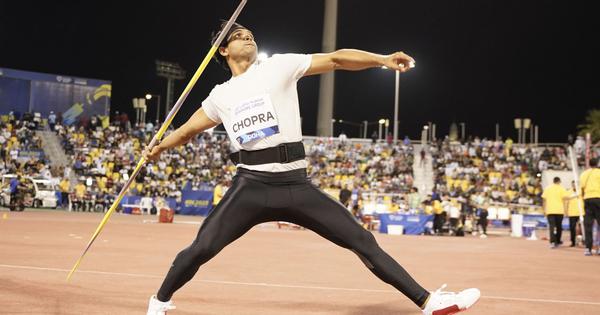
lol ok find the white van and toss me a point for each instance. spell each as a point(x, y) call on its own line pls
point(44, 192)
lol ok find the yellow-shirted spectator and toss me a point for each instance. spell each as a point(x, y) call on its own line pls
point(510, 194)
point(439, 218)
point(590, 189)
point(428, 209)
point(65, 187)
point(437, 207)
point(80, 190)
point(101, 181)
point(449, 182)
point(555, 197)
point(464, 185)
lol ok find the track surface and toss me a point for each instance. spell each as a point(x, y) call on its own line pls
point(272, 271)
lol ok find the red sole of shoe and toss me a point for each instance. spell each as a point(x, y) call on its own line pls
point(447, 311)
point(452, 310)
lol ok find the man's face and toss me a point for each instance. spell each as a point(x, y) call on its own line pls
point(240, 44)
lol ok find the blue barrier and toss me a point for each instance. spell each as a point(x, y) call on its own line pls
point(196, 202)
point(413, 224)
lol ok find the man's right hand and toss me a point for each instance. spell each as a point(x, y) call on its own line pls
point(152, 154)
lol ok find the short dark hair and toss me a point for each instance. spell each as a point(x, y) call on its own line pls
point(594, 162)
point(215, 34)
point(556, 180)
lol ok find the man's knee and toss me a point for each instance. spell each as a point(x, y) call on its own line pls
point(204, 250)
point(365, 244)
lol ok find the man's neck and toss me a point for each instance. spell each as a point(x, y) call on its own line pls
point(239, 67)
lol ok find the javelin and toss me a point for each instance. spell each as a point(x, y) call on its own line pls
point(162, 130)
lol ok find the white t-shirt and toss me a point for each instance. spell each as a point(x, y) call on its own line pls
point(260, 108)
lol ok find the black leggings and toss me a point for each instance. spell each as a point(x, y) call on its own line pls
point(483, 222)
point(573, 229)
point(555, 228)
point(257, 197)
point(592, 212)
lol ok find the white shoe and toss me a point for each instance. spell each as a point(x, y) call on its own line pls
point(156, 307)
point(446, 303)
point(483, 236)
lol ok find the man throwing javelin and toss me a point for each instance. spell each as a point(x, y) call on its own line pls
point(259, 108)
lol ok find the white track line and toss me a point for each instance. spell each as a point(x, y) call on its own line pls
point(273, 285)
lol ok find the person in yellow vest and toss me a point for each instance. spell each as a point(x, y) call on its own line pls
point(65, 186)
point(439, 217)
point(590, 189)
point(575, 205)
point(80, 190)
point(554, 197)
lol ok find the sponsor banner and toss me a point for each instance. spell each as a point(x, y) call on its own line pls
point(413, 224)
point(196, 202)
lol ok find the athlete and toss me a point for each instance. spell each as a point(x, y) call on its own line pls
point(259, 109)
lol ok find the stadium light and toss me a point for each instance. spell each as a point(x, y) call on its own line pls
point(526, 125)
point(149, 97)
point(381, 122)
point(518, 126)
point(387, 124)
point(396, 101)
point(139, 104)
point(331, 126)
point(517, 123)
point(171, 71)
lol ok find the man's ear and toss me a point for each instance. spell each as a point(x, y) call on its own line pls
point(223, 51)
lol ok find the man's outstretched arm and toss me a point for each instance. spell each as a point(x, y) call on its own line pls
point(353, 60)
point(195, 125)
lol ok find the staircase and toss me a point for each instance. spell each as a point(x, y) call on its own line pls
point(55, 153)
point(423, 172)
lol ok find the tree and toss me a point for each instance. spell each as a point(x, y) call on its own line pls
point(591, 125)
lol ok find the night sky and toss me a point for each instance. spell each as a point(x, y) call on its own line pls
point(478, 62)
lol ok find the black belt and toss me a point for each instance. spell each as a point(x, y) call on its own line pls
point(283, 153)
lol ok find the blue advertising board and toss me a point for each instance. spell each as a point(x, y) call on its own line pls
point(73, 97)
